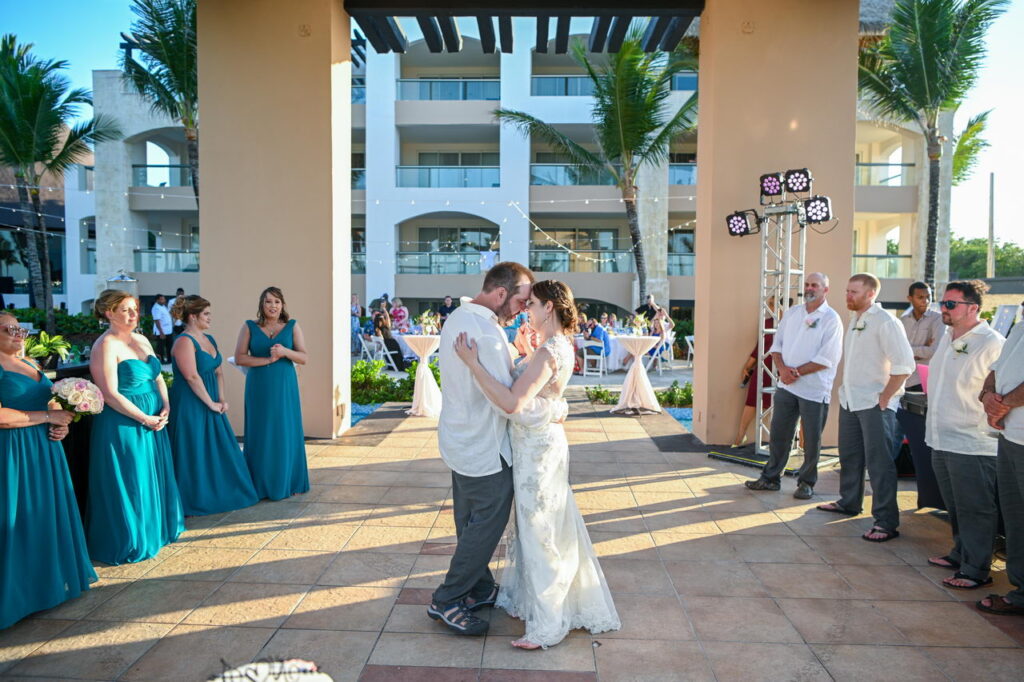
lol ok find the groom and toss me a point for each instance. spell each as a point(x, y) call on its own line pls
point(474, 443)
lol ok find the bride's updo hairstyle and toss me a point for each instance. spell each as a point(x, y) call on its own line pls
point(562, 301)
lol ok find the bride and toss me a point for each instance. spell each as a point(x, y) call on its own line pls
point(554, 581)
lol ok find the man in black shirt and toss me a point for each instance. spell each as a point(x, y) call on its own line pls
point(445, 310)
point(648, 309)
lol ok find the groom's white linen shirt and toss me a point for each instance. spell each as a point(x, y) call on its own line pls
point(799, 343)
point(1009, 369)
point(472, 432)
point(956, 420)
point(876, 348)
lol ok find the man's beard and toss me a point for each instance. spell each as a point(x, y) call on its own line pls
point(810, 296)
point(505, 313)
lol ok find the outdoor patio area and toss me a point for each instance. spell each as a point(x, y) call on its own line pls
point(711, 580)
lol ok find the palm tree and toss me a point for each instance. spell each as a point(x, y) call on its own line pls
point(926, 64)
point(165, 36)
point(631, 119)
point(37, 139)
point(968, 146)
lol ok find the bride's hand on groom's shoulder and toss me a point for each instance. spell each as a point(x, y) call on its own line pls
point(466, 349)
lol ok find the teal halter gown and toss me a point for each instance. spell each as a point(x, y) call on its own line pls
point(275, 446)
point(43, 556)
point(208, 464)
point(133, 508)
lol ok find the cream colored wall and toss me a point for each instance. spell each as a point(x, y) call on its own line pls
point(739, 142)
point(418, 71)
point(274, 81)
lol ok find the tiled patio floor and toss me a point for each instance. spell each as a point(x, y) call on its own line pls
point(711, 581)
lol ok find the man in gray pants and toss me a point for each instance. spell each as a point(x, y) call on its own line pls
point(474, 443)
point(878, 360)
point(806, 351)
point(1003, 397)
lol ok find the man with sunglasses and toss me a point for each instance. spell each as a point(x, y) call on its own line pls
point(1003, 398)
point(956, 429)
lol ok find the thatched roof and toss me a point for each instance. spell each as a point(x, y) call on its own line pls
point(875, 16)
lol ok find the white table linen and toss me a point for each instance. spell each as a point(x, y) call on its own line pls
point(426, 395)
point(637, 392)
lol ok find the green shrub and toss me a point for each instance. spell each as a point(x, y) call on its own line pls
point(601, 395)
point(676, 395)
point(168, 378)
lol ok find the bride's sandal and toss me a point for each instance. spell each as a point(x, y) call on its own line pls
point(525, 644)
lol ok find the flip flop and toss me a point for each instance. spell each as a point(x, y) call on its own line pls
point(955, 565)
point(834, 508)
point(886, 534)
point(960, 576)
point(1000, 606)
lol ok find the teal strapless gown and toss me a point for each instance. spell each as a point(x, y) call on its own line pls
point(275, 446)
point(43, 556)
point(208, 464)
point(134, 508)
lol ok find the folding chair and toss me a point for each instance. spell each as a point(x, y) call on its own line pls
point(689, 349)
point(368, 352)
point(388, 356)
point(659, 355)
point(598, 358)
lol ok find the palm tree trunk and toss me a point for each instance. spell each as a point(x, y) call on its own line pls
point(44, 260)
point(35, 272)
point(633, 220)
point(934, 154)
point(192, 144)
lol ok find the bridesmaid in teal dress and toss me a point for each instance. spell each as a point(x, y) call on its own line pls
point(133, 508)
point(274, 443)
point(208, 464)
point(43, 557)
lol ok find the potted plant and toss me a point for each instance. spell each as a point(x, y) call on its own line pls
point(47, 348)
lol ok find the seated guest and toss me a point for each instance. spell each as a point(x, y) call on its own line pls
point(613, 322)
point(134, 507)
point(963, 452)
point(1003, 398)
point(595, 331)
point(603, 320)
point(208, 464)
point(399, 316)
point(43, 556)
point(649, 308)
point(382, 329)
point(275, 445)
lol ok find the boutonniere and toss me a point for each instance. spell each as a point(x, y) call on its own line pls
point(960, 346)
point(811, 322)
point(860, 325)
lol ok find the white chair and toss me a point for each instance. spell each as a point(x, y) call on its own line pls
point(590, 356)
point(388, 356)
point(689, 349)
point(663, 349)
point(368, 351)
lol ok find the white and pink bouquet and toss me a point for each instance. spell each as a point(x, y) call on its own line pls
point(78, 396)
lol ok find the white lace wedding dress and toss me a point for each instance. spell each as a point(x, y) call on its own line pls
point(553, 580)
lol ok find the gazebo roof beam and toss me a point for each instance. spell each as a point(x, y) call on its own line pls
point(505, 33)
point(370, 30)
point(542, 34)
point(656, 28)
point(450, 33)
point(431, 33)
point(486, 26)
point(562, 35)
point(599, 33)
point(675, 32)
point(620, 25)
point(392, 32)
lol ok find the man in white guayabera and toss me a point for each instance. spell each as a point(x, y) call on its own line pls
point(474, 443)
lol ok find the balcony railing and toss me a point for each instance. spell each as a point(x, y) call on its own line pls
point(561, 86)
point(358, 263)
point(166, 260)
point(148, 175)
point(358, 178)
point(887, 174)
point(682, 174)
point(449, 176)
point(685, 81)
point(564, 174)
point(681, 264)
point(358, 94)
point(886, 266)
point(449, 89)
point(557, 260)
point(432, 263)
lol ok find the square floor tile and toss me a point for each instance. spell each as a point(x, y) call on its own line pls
point(248, 604)
point(643, 659)
point(636, 575)
point(343, 608)
point(847, 621)
point(292, 566)
point(338, 654)
point(852, 551)
point(22, 638)
point(626, 545)
point(79, 607)
point(201, 563)
point(891, 582)
point(773, 549)
point(190, 652)
point(942, 624)
point(740, 619)
point(384, 539)
point(851, 663)
point(155, 601)
point(977, 664)
point(368, 569)
point(674, 546)
point(803, 581)
point(714, 579)
point(439, 650)
point(764, 662)
point(575, 652)
point(650, 616)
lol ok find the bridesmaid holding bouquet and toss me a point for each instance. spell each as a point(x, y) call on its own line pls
point(275, 450)
point(208, 464)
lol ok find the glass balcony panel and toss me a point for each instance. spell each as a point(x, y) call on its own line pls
point(561, 86)
point(358, 94)
point(358, 263)
point(887, 174)
point(685, 81)
point(681, 264)
point(883, 266)
point(429, 263)
point(449, 176)
point(564, 174)
point(166, 260)
point(682, 174)
point(358, 178)
point(557, 260)
point(449, 89)
point(161, 175)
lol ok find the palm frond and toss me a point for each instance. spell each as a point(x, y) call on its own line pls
point(79, 141)
point(684, 121)
point(532, 127)
point(968, 146)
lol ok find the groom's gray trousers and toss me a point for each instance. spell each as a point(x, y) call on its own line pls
point(482, 505)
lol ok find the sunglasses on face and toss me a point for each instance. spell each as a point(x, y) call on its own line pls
point(15, 331)
point(951, 305)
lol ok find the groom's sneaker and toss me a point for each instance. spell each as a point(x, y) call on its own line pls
point(489, 600)
point(458, 618)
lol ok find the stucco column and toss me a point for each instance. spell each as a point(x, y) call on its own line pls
point(516, 73)
point(778, 90)
point(652, 209)
point(275, 198)
point(382, 156)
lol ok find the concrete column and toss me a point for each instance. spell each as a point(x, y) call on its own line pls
point(275, 147)
point(778, 90)
point(652, 208)
point(515, 149)
point(382, 156)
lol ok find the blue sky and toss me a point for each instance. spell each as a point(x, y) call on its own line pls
point(87, 32)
